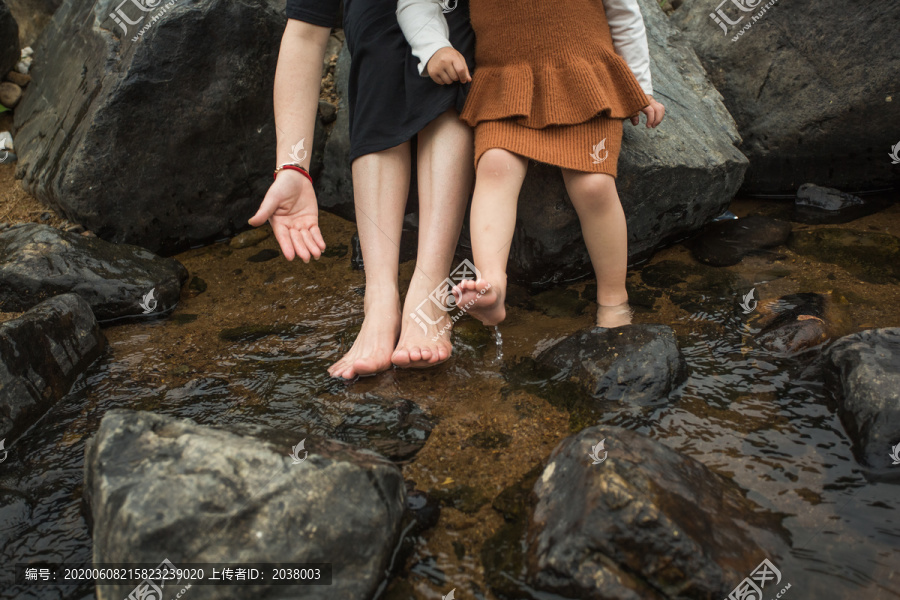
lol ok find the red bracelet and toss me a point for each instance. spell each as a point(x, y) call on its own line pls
point(293, 167)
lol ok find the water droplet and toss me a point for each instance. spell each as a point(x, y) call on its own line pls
point(499, 339)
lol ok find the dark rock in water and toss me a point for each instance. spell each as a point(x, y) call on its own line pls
point(39, 261)
point(560, 303)
point(197, 286)
point(725, 243)
point(161, 487)
point(820, 205)
point(464, 498)
point(634, 364)
point(870, 256)
point(671, 179)
point(41, 354)
point(335, 251)
point(264, 255)
point(110, 104)
point(815, 130)
point(799, 324)
point(863, 376)
point(645, 523)
point(252, 333)
point(489, 440)
point(9, 40)
point(249, 238)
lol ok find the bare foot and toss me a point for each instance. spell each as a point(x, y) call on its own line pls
point(425, 336)
point(371, 351)
point(614, 316)
point(481, 300)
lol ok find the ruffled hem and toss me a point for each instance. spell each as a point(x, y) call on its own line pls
point(554, 94)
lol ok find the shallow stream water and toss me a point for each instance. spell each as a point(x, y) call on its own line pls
point(260, 336)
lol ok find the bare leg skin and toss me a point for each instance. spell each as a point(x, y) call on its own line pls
point(605, 233)
point(445, 180)
point(498, 182)
point(380, 189)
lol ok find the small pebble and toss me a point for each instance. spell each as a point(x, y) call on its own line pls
point(24, 65)
point(26, 52)
point(18, 78)
point(10, 94)
point(88, 234)
point(45, 216)
point(75, 228)
point(249, 238)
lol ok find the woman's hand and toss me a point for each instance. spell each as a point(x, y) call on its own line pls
point(290, 206)
point(448, 65)
point(655, 112)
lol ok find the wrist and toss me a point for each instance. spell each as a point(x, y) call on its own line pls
point(296, 167)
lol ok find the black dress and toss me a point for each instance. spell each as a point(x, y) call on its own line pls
point(389, 101)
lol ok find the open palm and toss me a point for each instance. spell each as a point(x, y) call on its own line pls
point(290, 206)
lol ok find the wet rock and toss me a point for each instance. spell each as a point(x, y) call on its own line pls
point(647, 522)
point(252, 333)
point(327, 111)
point(249, 238)
point(394, 427)
point(106, 104)
point(159, 486)
point(798, 325)
point(18, 78)
point(41, 262)
point(9, 39)
point(464, 498)
point(820, 205)
point(264, 255)
point(10, 94)
point(863, 377)
point(725, 243)
point(811, 131)
point(634, 364)
point(197, 286)
point(671, 179)
point(489, 440)
point(41, 354)
point(870, 256)
point(560, 303)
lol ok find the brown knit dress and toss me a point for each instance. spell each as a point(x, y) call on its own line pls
point(548, 84)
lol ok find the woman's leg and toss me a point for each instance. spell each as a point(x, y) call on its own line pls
point(605, 233)
point(445, 181)
point(498, 182)
point(380, 190)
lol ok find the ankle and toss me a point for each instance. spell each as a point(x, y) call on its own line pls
point(612, 298)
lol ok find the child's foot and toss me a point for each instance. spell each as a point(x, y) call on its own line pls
point(481, 300)
point(614, 316)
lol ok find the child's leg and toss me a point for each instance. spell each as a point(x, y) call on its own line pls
point(606, 236)
point(498, 181)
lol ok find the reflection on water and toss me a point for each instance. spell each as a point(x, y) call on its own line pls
point(254, 348)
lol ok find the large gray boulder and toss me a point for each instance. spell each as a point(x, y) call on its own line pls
point(159, 488)
point(863, 377)
point(41, 354)
point(671, 180)
point(629, 519)
point(804, 83)
point(117, 280)
point(9, 40)
point(164, 138)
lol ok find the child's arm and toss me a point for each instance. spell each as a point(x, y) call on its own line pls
point(630, 38)
point(425, 28)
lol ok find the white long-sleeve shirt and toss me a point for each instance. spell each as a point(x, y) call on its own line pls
point(425, 27)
